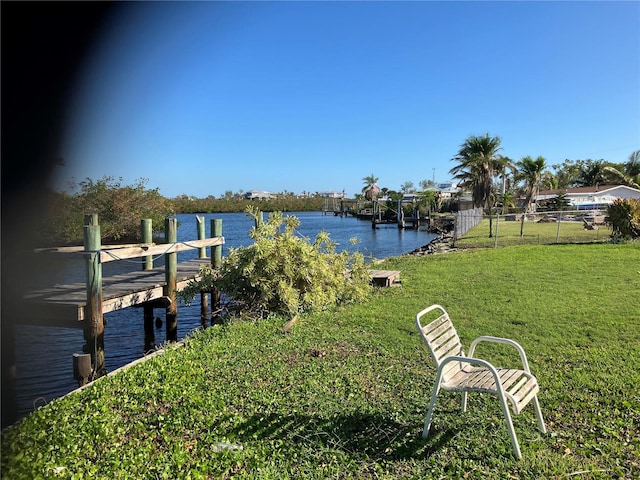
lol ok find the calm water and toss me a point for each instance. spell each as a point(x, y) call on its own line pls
point(44, 355)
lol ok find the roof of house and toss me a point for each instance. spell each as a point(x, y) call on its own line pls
point(599, 189)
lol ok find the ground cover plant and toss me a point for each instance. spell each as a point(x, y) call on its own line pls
point(344, 394)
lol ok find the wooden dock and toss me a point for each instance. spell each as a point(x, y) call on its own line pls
point(83, 304)
point(65, 305)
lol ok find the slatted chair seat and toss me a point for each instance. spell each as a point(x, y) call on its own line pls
point(459, 373)
point(519, 386)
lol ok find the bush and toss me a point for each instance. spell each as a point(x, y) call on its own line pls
point(284, 273)
point(624, 217)
point(120, 210)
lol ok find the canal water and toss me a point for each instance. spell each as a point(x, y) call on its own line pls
point(44, 354)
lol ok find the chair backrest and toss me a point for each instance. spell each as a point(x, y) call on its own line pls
point(441, 338)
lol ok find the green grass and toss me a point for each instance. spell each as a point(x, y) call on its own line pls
point(344, 394)
point(533, 233)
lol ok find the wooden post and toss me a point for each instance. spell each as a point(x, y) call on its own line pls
point(202, 253)
point(94, 331)
point(259, 220)
point(171, 279)
point(373, 214)
point(216, 231)
point(149, 333)
point(146, 235)
point(216, 259)
point(81, 368)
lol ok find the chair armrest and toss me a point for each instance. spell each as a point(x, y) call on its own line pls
point(471, 360)
point(507, 341)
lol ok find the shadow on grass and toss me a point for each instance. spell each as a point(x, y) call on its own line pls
point(374, 435)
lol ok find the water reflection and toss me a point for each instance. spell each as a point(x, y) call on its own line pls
point(44, 354)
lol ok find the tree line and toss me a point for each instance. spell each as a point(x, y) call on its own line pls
point(495, 179)
point(492, 179)
point(121, 207)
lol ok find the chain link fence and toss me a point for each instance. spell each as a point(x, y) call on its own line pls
point(473, 228)
point(465, 221)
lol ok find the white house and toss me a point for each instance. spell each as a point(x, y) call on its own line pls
point(332, 194)
point(589, 198)
point(258, 195)
point(447, 190)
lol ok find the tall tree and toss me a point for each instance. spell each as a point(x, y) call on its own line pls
point(549, 181)
point(618, 176)
point(370, 189)
point(426, 184)
point(478, 163)
point(628, 173)
point(592, 173)
point(530, 172)
point(567, 173)
point(407, 187)
point(632, 167)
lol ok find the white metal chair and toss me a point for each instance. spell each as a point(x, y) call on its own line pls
point(459, 373)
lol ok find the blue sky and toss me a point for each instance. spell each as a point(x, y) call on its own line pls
point(206, 97)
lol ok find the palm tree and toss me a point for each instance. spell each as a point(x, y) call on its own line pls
point(632, 167)
point(616, 176)
point(370, 189)
point(530, 171)
point(507, 199)
point(478, 163)
point(630, 175)
point(549, 181)
point(596, 172)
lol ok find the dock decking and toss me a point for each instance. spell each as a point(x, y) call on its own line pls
point(64, 305)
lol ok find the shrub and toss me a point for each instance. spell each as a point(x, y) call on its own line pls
point(119, 207)
point(284, 273)
point(624, 217)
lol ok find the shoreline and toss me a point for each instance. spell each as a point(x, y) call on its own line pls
point(440, 244)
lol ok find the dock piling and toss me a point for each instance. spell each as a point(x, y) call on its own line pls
point(94, 332)
point(202, 253)
point(81, 368)
point(171, 277)
point(146, 236)
point(216, 261)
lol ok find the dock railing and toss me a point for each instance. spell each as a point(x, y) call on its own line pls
point(66, 305)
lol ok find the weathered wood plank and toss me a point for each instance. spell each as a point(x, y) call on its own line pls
point(64, 305)
point(384, 278)
point(111, 255)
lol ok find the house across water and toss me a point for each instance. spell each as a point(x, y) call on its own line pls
point(591, 198)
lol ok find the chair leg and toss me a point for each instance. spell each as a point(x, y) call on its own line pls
point(541, 424)
point(432, 403)
point(464, 401)
point(512, 432)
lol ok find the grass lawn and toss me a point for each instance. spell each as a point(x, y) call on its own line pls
point(345, 393)
point(533, 233)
